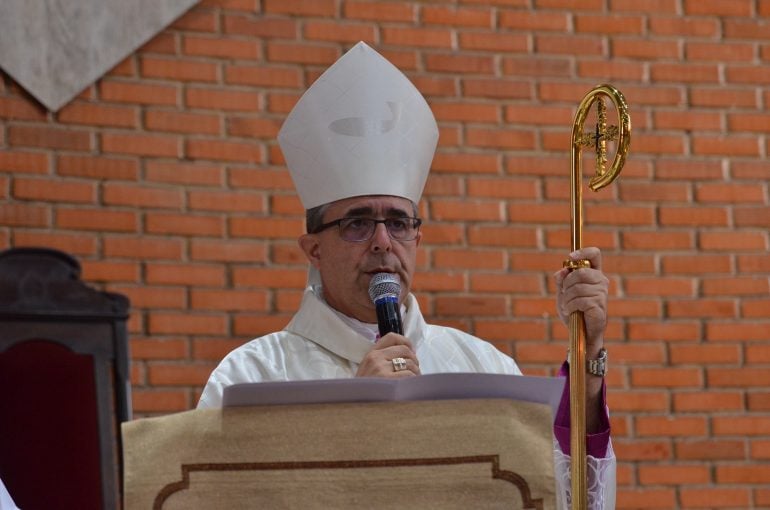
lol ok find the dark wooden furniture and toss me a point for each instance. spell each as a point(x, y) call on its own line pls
point(64, 383)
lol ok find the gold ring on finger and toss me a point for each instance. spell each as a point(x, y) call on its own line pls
point(399, 364)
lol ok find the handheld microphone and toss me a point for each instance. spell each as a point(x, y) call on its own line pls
point(384, 290)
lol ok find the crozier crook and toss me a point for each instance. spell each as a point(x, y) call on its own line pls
point(598, 139)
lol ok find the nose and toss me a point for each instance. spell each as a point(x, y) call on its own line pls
point(381, 239)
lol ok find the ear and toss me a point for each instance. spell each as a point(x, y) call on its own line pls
point(419, 238)
point(311, 247)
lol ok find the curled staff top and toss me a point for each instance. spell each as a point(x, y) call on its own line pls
point(603, 133)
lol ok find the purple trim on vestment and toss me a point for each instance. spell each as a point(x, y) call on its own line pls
point(596, 444)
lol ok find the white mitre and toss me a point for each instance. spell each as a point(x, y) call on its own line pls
point(361, 129)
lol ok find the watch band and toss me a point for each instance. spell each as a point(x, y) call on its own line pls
point(598, 366)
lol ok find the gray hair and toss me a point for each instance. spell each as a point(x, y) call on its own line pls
point(314, 218)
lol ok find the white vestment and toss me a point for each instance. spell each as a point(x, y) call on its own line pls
point(319, 343)
point(6, 503)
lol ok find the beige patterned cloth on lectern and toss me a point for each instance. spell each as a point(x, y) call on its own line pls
point(448, 454)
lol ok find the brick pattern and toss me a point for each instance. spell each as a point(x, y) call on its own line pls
point(165, 179)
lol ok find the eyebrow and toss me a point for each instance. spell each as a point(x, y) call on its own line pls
point(392, 212)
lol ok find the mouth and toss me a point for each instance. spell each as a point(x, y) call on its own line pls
point(372, 272)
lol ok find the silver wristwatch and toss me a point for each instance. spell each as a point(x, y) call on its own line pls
point(598, 366)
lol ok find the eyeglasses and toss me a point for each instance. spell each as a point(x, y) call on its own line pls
point(357, 230)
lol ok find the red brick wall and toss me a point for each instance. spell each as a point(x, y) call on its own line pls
point(165, 180)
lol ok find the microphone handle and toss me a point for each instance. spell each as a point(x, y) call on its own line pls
point(389, 316)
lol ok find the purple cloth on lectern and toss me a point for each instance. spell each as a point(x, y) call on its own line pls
point(596, 444)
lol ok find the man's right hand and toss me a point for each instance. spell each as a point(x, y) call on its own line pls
point(378, 362)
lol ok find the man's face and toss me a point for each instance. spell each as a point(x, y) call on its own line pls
point(347, 267)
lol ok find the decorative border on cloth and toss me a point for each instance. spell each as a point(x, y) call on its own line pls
point(493, 460)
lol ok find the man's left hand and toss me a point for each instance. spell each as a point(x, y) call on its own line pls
point(585, 290)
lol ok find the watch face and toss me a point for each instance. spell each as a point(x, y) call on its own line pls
point(598, 366)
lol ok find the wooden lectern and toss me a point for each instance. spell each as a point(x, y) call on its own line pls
point(443, 454)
